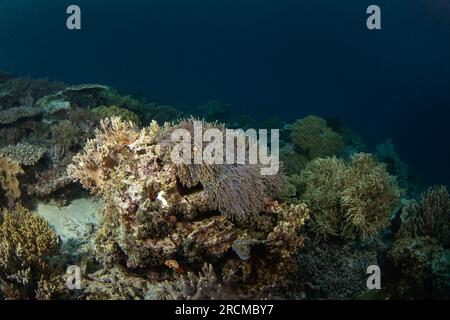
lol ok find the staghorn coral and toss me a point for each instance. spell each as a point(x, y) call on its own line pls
point(349, 199)
point(157, 214)
point(312, 135)
point(8, 177)
point(26, 243)
point(23, 153)
point(115, 111)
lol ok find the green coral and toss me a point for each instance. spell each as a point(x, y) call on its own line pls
point(349, 199)
point(115, 111)
point(313, 137)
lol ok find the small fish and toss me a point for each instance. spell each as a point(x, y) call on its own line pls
point(174, 265)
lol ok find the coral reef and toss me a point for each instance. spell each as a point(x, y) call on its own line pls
point(349, 199)
point(132, 171)
point(315, 138)
point(158, 229)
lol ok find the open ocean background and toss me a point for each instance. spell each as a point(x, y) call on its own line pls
point(288, 58)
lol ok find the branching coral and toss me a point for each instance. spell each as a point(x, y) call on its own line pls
point(349, 199)
point(315, 138)
point(26, 242)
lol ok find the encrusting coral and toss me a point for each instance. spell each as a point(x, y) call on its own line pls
point(157, 214)
point(349, 199)
point(312, 135)
point(26, 243)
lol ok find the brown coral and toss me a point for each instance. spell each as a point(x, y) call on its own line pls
point(26, 242)
point(8, 177)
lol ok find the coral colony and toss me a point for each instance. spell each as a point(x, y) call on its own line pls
point(190, 209)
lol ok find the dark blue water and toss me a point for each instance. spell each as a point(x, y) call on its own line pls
point(282, 57)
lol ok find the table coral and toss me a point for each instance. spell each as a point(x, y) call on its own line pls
point(23, 153)
point(12, 115)
point(349, 199)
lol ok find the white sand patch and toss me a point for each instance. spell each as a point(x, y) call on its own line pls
point(77, 221)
